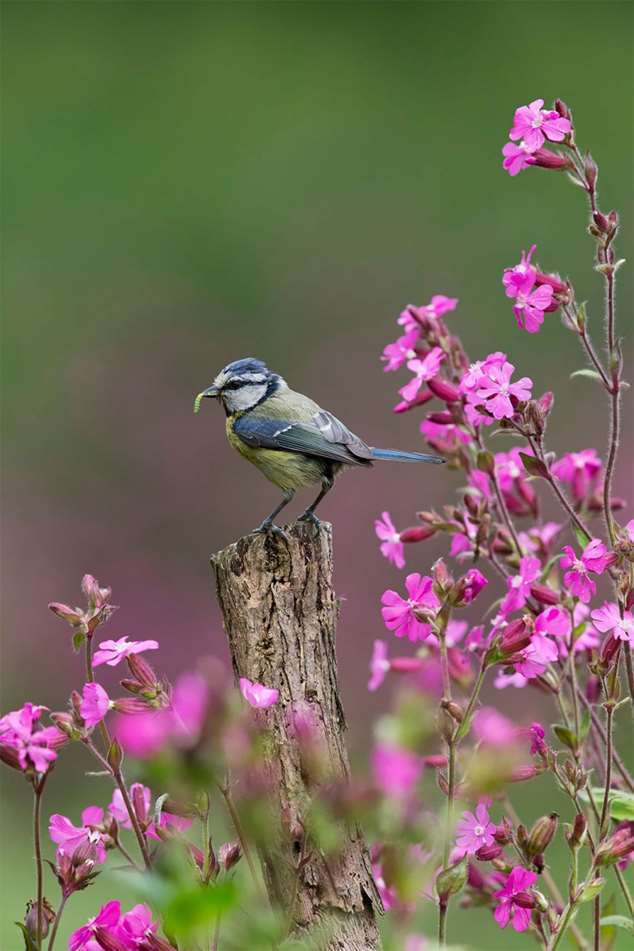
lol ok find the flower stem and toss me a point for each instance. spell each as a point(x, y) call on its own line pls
point(38, 789)
point(58, 917)
point(244, 844)
point(117, 775)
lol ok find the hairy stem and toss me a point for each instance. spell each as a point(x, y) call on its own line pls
point(38, 789)
point(58, 917)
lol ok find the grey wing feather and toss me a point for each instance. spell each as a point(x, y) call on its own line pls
point(267, 433)
point(334, 431)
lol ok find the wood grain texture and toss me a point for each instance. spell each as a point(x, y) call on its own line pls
point(280, 614)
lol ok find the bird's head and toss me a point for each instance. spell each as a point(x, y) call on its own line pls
point(241, 385)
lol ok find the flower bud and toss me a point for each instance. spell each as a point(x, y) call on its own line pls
point(515, 637)
point(443, 579)
point(503, 832)
point(230, 854)
point(563, 110)
point(489, 852)
point(72, 616)
point(406, 665)
point(444, 417)
point(468, 587)
point(544, 594)
point(129, 705)
point(451, 880)
point(418, 533)
point(577, 832)
point(107, 940)
point(444, 390)
point(521, 773)
point(453, 709)
point(620, 844)
point(593, 688)
point(524, 900)
point(141, 670)
point(421, 399)
point(436, 761)
point(541, 834)
point(47, 917)
point(544, 158)
point(609, 650)
point(591, 170)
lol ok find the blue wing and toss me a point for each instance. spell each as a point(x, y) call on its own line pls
point(311, 440)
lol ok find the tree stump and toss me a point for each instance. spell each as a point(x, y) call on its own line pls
point(280, 614)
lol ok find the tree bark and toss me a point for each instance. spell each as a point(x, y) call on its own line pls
point(280, 614)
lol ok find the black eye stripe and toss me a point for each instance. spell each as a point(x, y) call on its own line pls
point(233, 385)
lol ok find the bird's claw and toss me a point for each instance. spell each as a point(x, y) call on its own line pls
point(309, 517)
point(270, 528)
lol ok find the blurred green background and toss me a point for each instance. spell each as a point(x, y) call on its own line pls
point(187, 183)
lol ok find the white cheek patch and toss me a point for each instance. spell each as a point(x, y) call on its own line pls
point(246, 397)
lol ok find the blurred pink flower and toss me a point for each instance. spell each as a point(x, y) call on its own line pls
point(535, 125)
point(22, 745)
point(397, 353)
point(379, 665)
point(257, 695)
point(70, 837)
point(113, 652)
point(474, 830)
point(83, 938)
point(423, 370)
point(495, 390)
point(519, 586)
point(579, 470)
point(446, 437)
point(392, 547)
point(141, 797)
point(608, 618)
point(493, 728)
point(94, 705)
point(396, 770)
point(398, 613)
point(514, 903)
point(595, 559)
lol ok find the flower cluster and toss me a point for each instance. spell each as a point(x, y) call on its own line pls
point(533, 127)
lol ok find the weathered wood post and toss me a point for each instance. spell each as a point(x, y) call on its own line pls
point(280, 614)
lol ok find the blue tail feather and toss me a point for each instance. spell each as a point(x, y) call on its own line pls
point(397, 456)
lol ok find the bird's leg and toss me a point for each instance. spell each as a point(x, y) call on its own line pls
point(268, 525)
point(309, 514)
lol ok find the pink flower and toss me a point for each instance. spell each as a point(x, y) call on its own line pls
point(94, 705)
point(536, 657)
point(257, 695)
point(495, 389)
point(141, 797)
point(135, 926)
point(70, 837)
point(437, 307)
point(608, 618)
point(493, 728)
point(629, 530)
point(519, 586)
point(398, 613)
point(445, 437)
point(144, 734)
point(423, 370)
point(402, 350)
point(579, 470)
point(594, 559)
point(469, 587)
point(530, 305)
point(392, 547)
point(22, 745)
point(516, 158)
point(107, 918)
point(503, 680)
point(379, 665)
point(514, 902)
point(396, 770)
point(515, 277)
point(554, 621)
point(113, 652)
point(537, 734)
point(474, 830)
point(534, 125)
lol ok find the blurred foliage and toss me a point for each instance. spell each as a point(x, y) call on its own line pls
point(187, 182)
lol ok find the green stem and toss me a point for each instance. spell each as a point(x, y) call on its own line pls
point(58, 917)
point(463, 728)
point(38, 789)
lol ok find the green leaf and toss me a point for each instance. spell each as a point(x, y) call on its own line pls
point(582, 537)
point(193, 908)
point(29, 944)
point(588, 374)
point(534, 466)
point(618, 921)
point(78, 640)
point(584, 725)
point(591, 890)
point(621, 802)
point(567, 737)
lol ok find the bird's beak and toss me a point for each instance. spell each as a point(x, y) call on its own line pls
point(212, 391)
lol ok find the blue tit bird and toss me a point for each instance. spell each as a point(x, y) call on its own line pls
point(293, 441)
